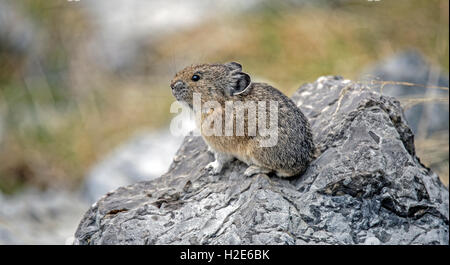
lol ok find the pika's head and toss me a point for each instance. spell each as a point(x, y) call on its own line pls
point(213, 81)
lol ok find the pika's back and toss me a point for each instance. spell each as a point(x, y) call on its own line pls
point(294, 148)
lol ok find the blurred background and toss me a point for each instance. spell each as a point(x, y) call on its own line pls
point(85, 97)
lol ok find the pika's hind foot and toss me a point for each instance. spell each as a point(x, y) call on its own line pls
point(253, 170)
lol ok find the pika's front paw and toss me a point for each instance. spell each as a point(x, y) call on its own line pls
point(253, 170)
point(215, 167)
point(210, 150)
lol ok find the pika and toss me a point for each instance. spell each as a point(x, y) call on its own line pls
point(227, 83)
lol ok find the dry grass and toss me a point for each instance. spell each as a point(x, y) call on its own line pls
point(433, 152)
point(295, 46)
point(60, 155)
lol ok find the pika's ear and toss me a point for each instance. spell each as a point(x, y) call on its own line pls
point(240, 82)
point(234, 66)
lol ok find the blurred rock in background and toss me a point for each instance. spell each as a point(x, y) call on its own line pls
point(144, 157)
point(123, 35)
point(426, 107)
point(35, 217)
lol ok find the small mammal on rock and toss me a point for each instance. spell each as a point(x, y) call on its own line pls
point(224, 83)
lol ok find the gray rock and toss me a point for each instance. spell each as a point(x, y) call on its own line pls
point(411, 67)
point(144, 157)
point(365, 187)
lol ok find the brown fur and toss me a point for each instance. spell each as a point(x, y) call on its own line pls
point(226, 82)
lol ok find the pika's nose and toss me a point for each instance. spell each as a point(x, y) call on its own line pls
point(177, 85)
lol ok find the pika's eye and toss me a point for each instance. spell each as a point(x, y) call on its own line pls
point(195, 78)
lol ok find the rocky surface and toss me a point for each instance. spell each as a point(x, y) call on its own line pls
point(365, 187)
